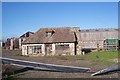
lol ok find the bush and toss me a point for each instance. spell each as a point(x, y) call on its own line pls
point(18, 54)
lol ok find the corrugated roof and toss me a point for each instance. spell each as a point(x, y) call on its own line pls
point(100, 30)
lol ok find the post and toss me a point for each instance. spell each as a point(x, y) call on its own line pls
point(43, 49)
point(53, 49)
point(98, 47)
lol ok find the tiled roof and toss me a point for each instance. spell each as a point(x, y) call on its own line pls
point(58, 35)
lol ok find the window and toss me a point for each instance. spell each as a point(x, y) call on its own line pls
point(34, 49)
point(106, 30)
point(49, 33)
point(37, 49)
point(96, 30)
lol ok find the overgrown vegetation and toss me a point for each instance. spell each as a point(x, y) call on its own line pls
point(7, 74)
point(18, 54)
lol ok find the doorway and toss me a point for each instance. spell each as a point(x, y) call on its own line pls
point(48, 49)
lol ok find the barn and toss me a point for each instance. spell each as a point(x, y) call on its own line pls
point(98, 38)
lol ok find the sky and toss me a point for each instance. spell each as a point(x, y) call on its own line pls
point(21, 17)
point(60, 0)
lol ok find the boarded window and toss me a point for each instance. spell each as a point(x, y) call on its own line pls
point(62, 49)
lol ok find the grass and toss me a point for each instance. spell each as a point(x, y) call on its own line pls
point(6, 75)
point(18, 54)
point(101, 57)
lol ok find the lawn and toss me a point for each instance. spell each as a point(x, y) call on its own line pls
point(101, 57)
point(98, 57)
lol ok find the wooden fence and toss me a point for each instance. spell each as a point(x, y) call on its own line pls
point(99, 45)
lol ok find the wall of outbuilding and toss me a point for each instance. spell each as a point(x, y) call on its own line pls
point(90, 38)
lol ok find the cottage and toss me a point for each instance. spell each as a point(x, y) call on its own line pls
point(53, 41)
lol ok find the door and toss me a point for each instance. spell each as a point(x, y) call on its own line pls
point(48, 49)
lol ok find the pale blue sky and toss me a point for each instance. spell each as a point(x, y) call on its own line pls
point(20, 17)
point(60, 0)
